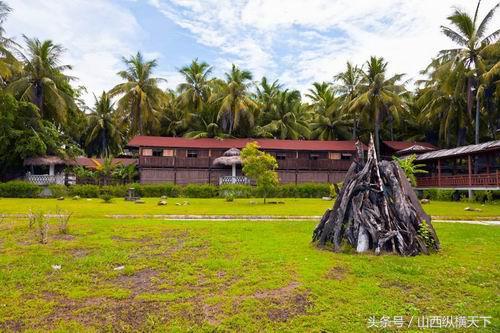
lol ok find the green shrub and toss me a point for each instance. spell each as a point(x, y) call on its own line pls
point(157, 190)
point(445, 195)
point(483, 196)
point(106, 197)
point(237, 191)
point(19, 189)
point(85, 191)
point(58, 191)
point(200, 191)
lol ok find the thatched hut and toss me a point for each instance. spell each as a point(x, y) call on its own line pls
point(231, 158)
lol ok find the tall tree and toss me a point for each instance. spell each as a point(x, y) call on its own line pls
point(287, 119)
point(379, 96)
point(347, 83)
point(103, 135)
point(43, 81)
point(470, 35)
point(234, 100)
point(141, 99)
point(195, 91)
point(9, 65)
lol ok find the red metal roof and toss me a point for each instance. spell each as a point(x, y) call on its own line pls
point(270, 144)
point(400, 145)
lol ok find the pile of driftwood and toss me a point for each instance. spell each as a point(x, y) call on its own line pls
point(377, 209)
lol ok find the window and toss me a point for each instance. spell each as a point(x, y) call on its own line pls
point(280, 156)
point(157, 152)
point(192, 153)
point(313, 156)
point(334, 156)
point(346, 156)
point(168, 152)
point(147, 152)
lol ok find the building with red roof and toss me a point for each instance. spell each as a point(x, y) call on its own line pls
point(185, 160)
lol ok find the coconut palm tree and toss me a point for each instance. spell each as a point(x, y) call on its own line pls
point(322, 98)
point(173, 117)
point(234, 100)
point(103, 134)
point(378, 96)
point(8, 62)
point(470, 35)
point(195, 91)
point(287, 119)
point(347, 83)
point(43, 81)
point(141, 99)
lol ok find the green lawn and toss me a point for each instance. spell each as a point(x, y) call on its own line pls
point(293, 207)
point(233, 275)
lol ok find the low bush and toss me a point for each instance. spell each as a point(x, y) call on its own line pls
point(483, 196)
point(157, 190)
point(19, 189)
point(58, 191)
point(237, 191)
point(200, 191)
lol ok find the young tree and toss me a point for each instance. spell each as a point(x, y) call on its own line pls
point(410, 168)
point(261, 167)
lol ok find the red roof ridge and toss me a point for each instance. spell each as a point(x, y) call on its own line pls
point(211, 143)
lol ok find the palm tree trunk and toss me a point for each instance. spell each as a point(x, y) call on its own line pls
point(469, 96)
point(377, 132)
point(139, 116)
point(477, 118)
point(39, 98)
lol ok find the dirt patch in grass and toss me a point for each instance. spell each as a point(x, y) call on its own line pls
point(395, 284)
point(284, 309)
point(336, 273)
point(284, 303)
point(79, 253)
point(99, 312)
point(65, 237)
point(124, 239)
point(140, 282)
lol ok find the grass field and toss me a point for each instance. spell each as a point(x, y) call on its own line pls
point(291, 207)
point(234, 275)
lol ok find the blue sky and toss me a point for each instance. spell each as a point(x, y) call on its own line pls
point(295, 41)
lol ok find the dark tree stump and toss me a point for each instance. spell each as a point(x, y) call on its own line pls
point(377, 210)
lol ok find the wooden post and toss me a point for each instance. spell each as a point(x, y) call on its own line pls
point(469, 167)
point(439, 172)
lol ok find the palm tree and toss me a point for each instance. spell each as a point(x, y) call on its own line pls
point(196, 90)
point(287, 119)
point(379, 96)
point(104, 137)
point(43, 82)
point(141, 99)
point(322, 98)
point(8, 62)
point(347, 86)
point(442, 102)
point(470, 34)
point(173, 117)
point(235, 103)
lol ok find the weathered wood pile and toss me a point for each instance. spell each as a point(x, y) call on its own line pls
point(377, 209)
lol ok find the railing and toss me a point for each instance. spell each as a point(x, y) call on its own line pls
point(321, 164)
point(206, 162)
point(457, 181)
point(240, 180)
point(45, 179)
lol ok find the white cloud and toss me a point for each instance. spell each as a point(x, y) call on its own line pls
point(319, 36)
point(96, 34)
